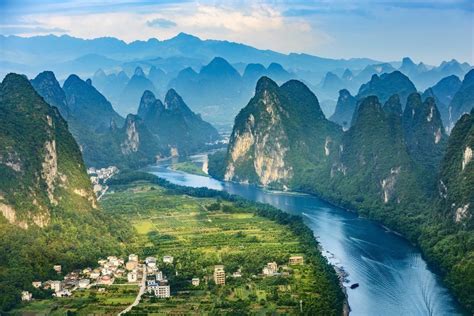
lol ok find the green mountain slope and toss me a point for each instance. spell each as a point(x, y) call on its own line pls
point(48, 210)
point(281, 135)
point(385, 166)
point(175, 125)
point(40, 171)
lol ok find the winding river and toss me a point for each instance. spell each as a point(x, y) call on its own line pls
point(394, 279)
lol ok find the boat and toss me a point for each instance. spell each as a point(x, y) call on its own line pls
point(354, 286)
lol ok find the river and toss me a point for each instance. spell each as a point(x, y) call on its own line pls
point(394, 279)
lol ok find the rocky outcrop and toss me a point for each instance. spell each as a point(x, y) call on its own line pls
point(265, 140)
point(40, 163)
point(49, 171)
point(132, 140)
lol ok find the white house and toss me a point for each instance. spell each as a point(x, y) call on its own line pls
point(160, 291)
point(84, 283)
point(56, 286)
point(151, 262)
point(26, 296)
point(270, 269)
point(36, 284)
point(132, 276)
point(168, 259)
point(133, 257)
point(195, 281)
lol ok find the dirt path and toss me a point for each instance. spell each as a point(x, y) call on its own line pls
point(139, 295)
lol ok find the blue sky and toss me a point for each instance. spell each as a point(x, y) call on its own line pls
point(429, 31)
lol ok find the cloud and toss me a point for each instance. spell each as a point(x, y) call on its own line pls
point(380, 29)
point(26, 29)
point(258, 25)
point(161, 23)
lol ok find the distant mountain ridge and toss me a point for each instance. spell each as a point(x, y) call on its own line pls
point(106, 138)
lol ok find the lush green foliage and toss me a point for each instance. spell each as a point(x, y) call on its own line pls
point(50, 184)
point(232, 231)
point(385, 166)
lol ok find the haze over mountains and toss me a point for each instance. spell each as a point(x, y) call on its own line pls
point(106, 138)
point(391, 140)
point(215, 77)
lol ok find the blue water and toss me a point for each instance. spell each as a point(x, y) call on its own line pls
point(393, 277)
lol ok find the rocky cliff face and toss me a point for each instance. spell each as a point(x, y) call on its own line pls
point(456, 182)
point(268, 135)
point(40, 163)
point(443, 92)
point(260, 138)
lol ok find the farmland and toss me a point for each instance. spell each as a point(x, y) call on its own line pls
point(199, 233)
point(202, 232)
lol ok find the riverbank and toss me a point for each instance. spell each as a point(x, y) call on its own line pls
point(201, 228)
point(386, 265)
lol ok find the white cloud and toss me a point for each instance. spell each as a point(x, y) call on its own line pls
point(255, 24)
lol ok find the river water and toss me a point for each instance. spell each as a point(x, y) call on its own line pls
point(393, 277)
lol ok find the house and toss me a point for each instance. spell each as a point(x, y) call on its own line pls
point(133, 257)
point(113, 261)
point(56, 286)
point(195, 281)
point(62, 293)
point(131, 265)
point(26, 296)
point(151, 270)
point(132, 276)
point(87, 271)
point(57, 268)
point(219, 275)
point(270, 269)
point(151, 262)
point(168, 259)
point(106, 280)
point(84, 283)
point(296, 260)
point(160, 291)
point(106, 271)
point(36, 284)
point(159, 276)
point(95, 274)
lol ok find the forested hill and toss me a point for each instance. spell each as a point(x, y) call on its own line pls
point(390, 165)
point(49, 211)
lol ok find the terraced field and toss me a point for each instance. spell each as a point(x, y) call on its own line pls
point(200, 233)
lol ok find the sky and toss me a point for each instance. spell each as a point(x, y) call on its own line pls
point(386, 30)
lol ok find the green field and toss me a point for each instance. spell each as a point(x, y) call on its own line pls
point(188, 167)
point(202, 232)
point(84, 302)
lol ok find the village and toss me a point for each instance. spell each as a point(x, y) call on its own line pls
point(145, 274)
point(99, 179)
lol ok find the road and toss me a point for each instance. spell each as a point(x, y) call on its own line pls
point(139, 295)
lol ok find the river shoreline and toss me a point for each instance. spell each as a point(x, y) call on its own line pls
point(412, 278)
